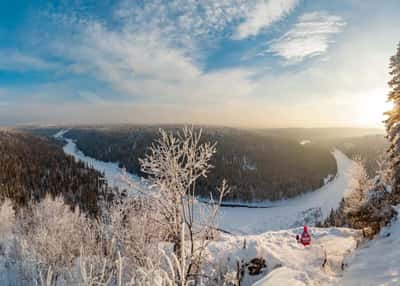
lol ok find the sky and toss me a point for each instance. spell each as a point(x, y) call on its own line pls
point(254, 63)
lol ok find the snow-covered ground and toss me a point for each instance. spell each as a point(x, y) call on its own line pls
point(377, 262)
point(288, 262)
point(284, 214)
point(270, 233)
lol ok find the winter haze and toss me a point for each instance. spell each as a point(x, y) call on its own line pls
point(275, 63)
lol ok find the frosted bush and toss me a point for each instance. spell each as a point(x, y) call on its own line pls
point(51, 235)
point(7, 220)
point(360, 185)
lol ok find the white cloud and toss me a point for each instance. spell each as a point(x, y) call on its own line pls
point(262, 15)
point(153, 50)
point(186, 23)
point(147, 63)
point(152, 73)
point(16, 61)
point(310, 36)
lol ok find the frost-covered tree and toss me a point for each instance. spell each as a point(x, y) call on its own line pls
point(359, 187)
point(392, 124)
point(135, 227)
point(7, 224)
point(7, 220)
point(174, 163)
point(367, 203)
point(51, 236)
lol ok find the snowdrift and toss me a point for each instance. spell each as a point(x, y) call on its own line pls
point(378, 261)
point(287, 261)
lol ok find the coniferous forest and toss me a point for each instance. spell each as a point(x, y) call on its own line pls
point(258, 167)
point(34, 166)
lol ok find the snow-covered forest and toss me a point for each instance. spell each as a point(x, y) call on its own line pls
point(244, 158)
point(155, 231)
point(200, 143)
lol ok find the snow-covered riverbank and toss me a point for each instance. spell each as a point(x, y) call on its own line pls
point(294, 212)
point(115, 176)
point(282, 214)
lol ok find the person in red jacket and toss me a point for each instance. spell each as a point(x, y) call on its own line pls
point(305, 238)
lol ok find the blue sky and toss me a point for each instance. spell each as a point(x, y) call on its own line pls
point(257, 63)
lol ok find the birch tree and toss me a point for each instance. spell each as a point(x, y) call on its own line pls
point(174, 163)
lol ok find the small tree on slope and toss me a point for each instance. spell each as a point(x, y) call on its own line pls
point(393, 126)
point(360, 185)
point(367, 203)
point(174, 163)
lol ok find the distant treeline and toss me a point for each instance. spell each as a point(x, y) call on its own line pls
point(32, 167)
point(257, 167)
point(317, 134)
point(370, 148)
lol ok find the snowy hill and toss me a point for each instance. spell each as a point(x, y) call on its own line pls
point(288, 262)
point(377, 262)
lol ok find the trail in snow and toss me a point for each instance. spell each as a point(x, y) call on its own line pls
point(282, 214)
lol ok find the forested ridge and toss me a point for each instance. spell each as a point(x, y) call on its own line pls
point(33, 166)
point(257, 167)
point(371, 149)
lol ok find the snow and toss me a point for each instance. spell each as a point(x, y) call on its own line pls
point(115, 176)
point(285, 276)
point(377, 262)
point(60, 134)
point(305, 142)
point(269, 233)
point(288, 262)
point(248, 165)
point(283, 214)
point(289, 213)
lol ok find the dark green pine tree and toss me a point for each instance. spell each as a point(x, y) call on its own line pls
point(393, 125)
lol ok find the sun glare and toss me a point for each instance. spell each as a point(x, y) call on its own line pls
point(373, 108)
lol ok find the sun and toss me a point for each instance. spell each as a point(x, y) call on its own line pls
point(374, 105)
